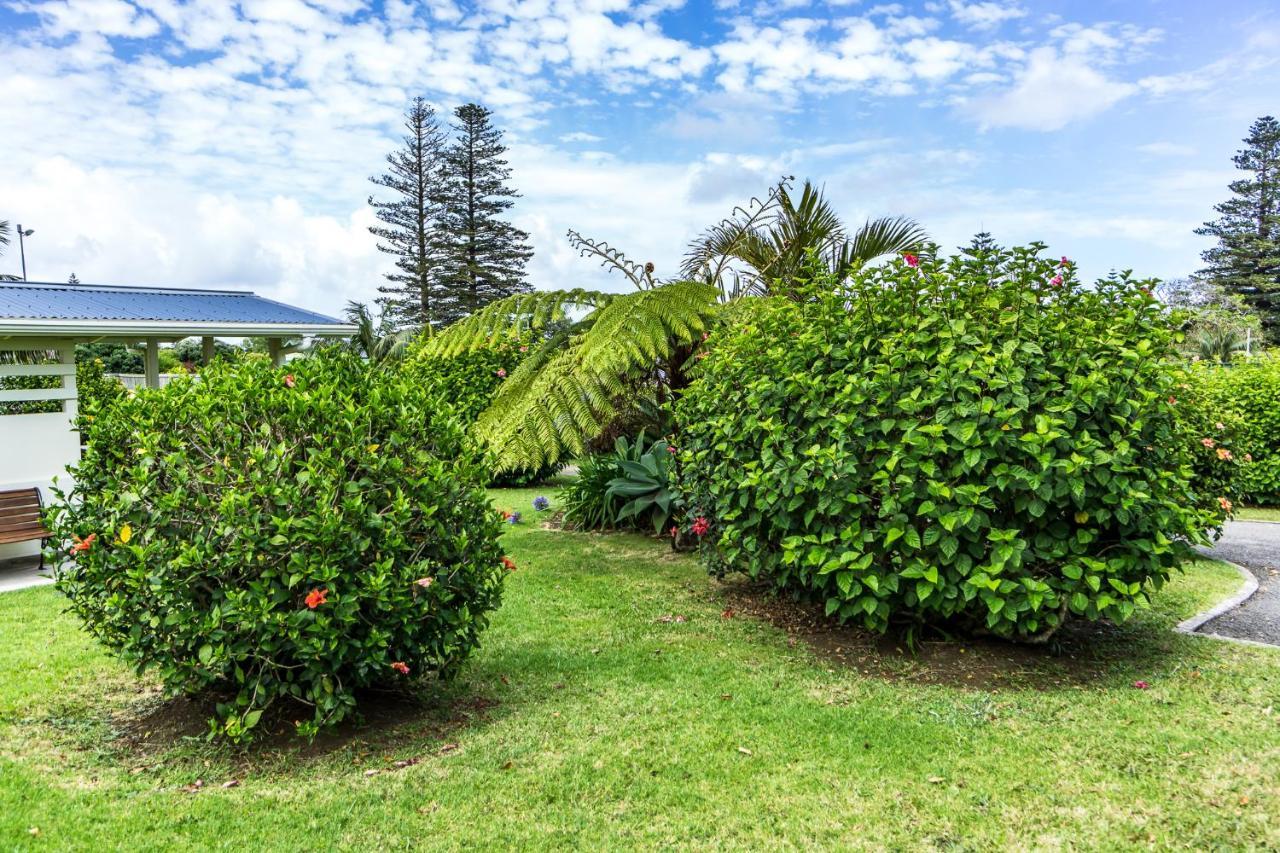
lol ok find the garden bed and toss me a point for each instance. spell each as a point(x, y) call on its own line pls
point(590, 718)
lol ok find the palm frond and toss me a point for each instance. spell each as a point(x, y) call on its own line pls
point(709, 255)
point(884, 236)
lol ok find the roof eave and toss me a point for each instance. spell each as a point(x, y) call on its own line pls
point(166, 328)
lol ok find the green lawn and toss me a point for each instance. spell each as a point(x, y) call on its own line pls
point(588, 719)
point(1258, 513)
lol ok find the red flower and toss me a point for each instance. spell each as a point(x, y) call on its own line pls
point(401, 667)
point(671, 448)
point(1056, 281)
point(317, 597)
point(84, 544)
point(289, 381)
point(912, 260)
point(505, 513)
point(675, 531)
point(1141, 685)
point(509, 564)
point(1173, 401)
point(502, 374)
point(1207, 442)
point(700, 526)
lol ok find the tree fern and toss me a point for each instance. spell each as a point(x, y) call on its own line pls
point(574, 383)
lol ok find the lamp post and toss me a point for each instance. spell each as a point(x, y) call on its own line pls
point(22, 247)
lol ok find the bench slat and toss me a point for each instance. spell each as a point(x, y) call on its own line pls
point(20, 516)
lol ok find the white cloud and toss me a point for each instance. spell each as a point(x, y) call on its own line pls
point(1052, 90)
point(984, 16)
point(580, 136)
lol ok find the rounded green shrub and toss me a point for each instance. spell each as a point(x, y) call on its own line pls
point(976, 440)
point(1246, 395)
point(260, 535)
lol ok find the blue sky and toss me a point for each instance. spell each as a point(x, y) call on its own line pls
point(228, 144)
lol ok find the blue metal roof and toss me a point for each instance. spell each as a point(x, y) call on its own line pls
point(45, 301)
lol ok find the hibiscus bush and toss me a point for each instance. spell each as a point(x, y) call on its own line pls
point(1245, 396)
point(262, 535)
point(466, 384)
point(976, 439)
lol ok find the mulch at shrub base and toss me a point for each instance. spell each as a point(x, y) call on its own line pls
point(1081, 653)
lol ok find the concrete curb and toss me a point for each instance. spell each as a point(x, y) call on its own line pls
point(1249, 587)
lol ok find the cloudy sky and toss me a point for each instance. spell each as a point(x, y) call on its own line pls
point(215, 143)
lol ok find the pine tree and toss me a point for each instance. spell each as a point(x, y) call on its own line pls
point(72, 279)
point(1246, 260)
point(409, 227)
point(484, 255)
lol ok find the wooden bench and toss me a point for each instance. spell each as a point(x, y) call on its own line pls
point(20, 518)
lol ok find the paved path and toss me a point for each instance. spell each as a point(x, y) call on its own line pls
point(20, 574)
point(1255, 545)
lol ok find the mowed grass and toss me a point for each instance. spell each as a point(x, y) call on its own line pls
point(1258, 513)
point(595, 718)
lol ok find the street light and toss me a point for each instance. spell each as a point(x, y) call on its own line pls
point(22, 247)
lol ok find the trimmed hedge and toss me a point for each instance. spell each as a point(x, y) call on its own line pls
point(261, 535)
point(973, 439)
point(1246, 395)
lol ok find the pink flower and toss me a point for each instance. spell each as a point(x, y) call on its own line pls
point(912, 260)
point(524, 349)
point(1248, 457)
point(675, 531)
point(671, 448)
point(1225, 504)
point(1141, 685)
point(502, 374)
point(1056, 281)
point(1219, 425)
point(289, 381)
point(401, 667)
point(1224, 454)
point(700, 526)
point(1065, 262)
point(425, 582)
point(1208, 442)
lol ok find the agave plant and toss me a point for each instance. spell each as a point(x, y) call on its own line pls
point(643, 486)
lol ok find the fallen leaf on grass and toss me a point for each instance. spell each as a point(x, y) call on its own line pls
point(231, 783)
point(448, 747)
point(668, 618)
point(936, 780)
point(745, 751)
point(373, 772)
point(406, 762)
point(727, 613)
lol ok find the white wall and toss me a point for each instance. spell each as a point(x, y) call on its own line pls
point(36, 448)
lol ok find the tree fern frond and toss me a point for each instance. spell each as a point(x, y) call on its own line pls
point(641, 275)
point(563, 403)
point(511, 316)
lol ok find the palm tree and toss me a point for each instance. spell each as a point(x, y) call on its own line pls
point(596, 352)
point(4, 241)
point(1219, 344)
point(763, 246)
point(375, 340)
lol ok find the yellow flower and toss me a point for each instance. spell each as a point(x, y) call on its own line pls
point(126, 533)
